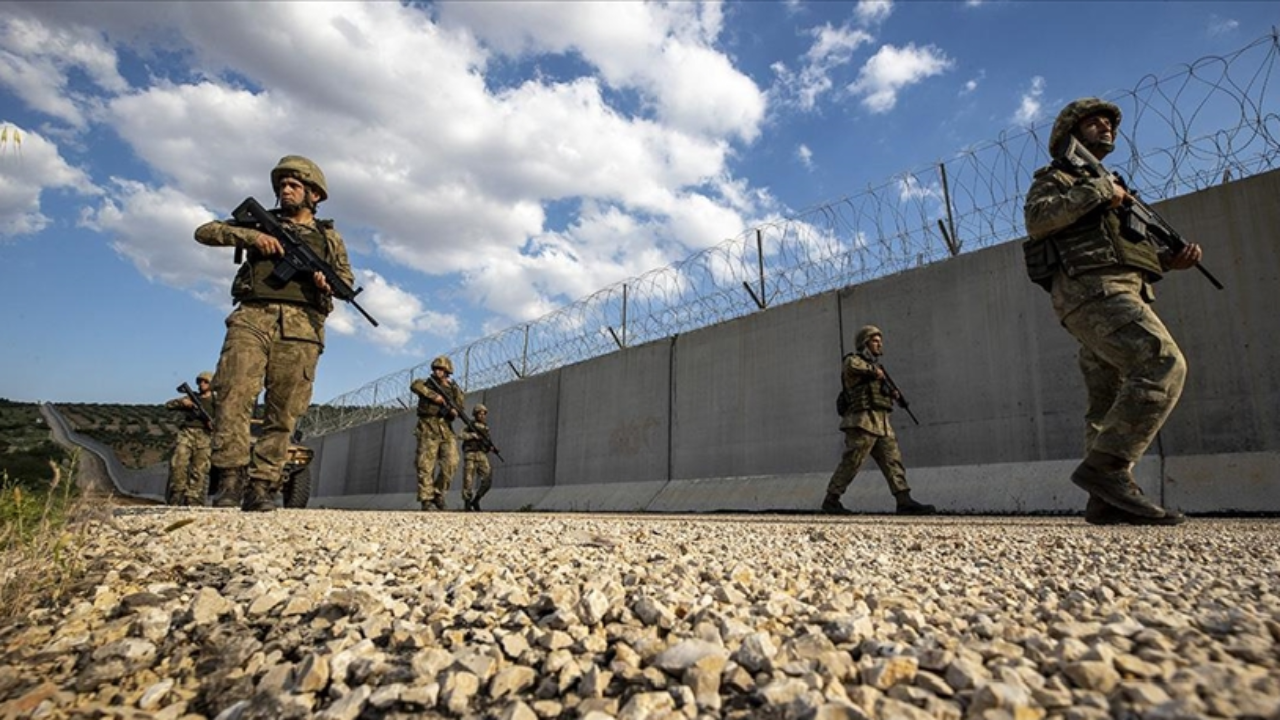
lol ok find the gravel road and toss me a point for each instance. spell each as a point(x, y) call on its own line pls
point(333, 614)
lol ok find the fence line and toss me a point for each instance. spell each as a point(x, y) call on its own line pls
point(1206, 123)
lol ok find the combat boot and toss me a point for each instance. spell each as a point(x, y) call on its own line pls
point(1098, 512)
point(908, 506)
point(427, 505)
point(831, 505)
point(231, 482)
point(1108, 478)
point(475, 503)
point(258, 497)
point(466, 503)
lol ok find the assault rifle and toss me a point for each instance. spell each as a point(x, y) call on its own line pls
point(197, 409)
point(900, 398)
point(1139, 221)
point(298, 256)
point(466, 419)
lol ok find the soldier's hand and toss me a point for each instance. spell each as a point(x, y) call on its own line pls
point(268, 245)
point(1186, 258)
point(323, 283)
point(879, 373)
point(1121, 195)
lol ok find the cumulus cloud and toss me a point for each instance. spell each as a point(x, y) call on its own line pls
point(873, 12)
point(36, 63)
point(1029, 106)
point(30, 164)
point(892, 69)
point(832, 48)
point(433, 165)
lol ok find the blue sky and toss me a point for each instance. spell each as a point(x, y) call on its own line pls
point(487, 162)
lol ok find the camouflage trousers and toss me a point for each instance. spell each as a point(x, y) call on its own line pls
point(257, 355)
point(476, 466)
point(189, 468)
point(858, 444)
point(1133, 374)
point(437, 446)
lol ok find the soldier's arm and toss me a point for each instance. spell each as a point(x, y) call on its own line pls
point(219, 234)
point(858, 366)
point(341, 263)
point(1055, 202)
point(178, 403)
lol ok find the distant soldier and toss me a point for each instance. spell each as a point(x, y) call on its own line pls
point(1100, 284)
point(869, 399)
point(476, 447)
point(274, 337)
point(189, 465)
point(437, 445)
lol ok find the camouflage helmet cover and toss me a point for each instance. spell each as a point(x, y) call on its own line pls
point(1072, 114)
point(303, 169)
point(480, 408)
point(443, 363)
point(206, 375)
point(865, 334)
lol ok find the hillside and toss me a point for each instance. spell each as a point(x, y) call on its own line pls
point(26, 446)
point(141, 435)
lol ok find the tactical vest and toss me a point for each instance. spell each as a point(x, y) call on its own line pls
point(476, 445)
point(1095, 241)
point(253, 282)
point(869, 393)
point(428, 409)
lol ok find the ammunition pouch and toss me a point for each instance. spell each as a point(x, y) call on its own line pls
point(1042, 260)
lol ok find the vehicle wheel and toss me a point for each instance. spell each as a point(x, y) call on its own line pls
point(297, 488)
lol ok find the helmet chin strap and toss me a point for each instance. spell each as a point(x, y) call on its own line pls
point(1101, 149)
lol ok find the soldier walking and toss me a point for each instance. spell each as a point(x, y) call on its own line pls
point(189, 464)
point(1100, 284)
point(869, 399)
point(274, 337)
point(477, 472)
point(437, 445)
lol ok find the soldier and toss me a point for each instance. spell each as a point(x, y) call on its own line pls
point(1100, 284)
point(475, 453)
point(274, 337)
point(437, 445)
point(865, 422)
point(189, 465)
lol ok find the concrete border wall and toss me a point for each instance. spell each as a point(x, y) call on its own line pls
point(740, 416)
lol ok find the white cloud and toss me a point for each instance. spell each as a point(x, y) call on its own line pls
point(805, 155)
point(1029, 107)
point(891, 69)
point(29, 165)
point(1222, 26)
point(873, 12)
point(972, 84)
point(832, 48)
point(910, 188)
point(662, 50)
point(36, 61)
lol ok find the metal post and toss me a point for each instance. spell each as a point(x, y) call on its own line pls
point(952, 240)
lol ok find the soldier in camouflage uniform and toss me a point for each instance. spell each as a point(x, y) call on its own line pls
point(437, 445)
point(1100, 284)
point(867, 431)
point(189, 465)
point(475, 455)
point(274, 337)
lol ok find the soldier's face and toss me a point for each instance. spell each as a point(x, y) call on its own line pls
point(294, 194)
point(875, 345)
point(1096, 130)
point(202, 384)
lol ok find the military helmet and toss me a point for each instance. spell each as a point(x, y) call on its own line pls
point(303, 169)
point(443, 363)
point(480, 408)
point(1072, 114)
point(865, 334)
point(206, 375)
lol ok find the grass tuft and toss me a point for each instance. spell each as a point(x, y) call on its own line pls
point(42, 532)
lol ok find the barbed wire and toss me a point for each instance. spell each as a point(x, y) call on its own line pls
point(1203, 124)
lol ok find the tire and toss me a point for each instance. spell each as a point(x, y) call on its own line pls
point(297, 488)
